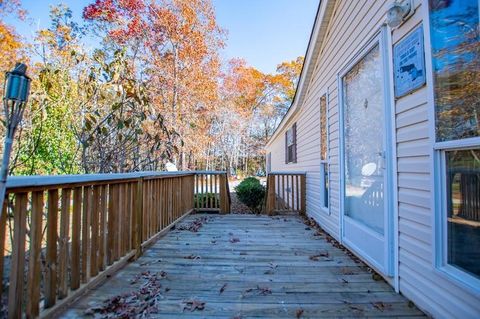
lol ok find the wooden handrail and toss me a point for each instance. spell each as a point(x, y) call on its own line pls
point(286, 192)
point(94, 225)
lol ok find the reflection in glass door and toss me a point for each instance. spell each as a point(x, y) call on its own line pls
point(366, 222)
point(364, 136)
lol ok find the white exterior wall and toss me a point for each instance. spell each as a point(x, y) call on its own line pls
point(352, 24)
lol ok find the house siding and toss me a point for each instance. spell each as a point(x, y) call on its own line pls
point(352, 24)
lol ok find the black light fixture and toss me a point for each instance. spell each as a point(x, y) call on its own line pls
point(17, 84)
point(16, 91)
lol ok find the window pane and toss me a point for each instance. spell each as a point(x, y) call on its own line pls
point(289, 137)
point(454, 29)
point(463, 209)
point(323, 127)
point(364, 134)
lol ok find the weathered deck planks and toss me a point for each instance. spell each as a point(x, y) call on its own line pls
point(273, 253)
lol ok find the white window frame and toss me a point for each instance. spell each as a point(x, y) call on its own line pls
point(438, 151)
point(326, 161)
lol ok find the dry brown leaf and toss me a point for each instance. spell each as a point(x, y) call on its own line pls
point(194, 304)
point(223, 288)
point(381, 306)
point(299, 313)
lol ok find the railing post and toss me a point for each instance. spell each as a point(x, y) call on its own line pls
point(270, 206)
point(224, 203)
point(303, 189)
point(138, 216)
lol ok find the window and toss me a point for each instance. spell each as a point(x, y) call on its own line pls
point(463, 209)
point(291, 144)
point(324, 151)
point(455, 40)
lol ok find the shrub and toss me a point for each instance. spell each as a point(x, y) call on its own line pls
point(251, 193)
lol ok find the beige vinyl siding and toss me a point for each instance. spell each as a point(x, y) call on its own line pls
point(353, 23)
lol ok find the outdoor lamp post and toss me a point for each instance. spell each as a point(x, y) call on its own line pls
point(16, 90)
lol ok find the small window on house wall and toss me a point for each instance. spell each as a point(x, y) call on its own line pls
point(455, 40)
point(291, 144)
point(324, 152)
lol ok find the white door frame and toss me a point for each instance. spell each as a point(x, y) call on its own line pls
point(383, 39)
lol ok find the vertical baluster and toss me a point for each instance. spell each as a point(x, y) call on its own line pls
point(64, 257)
point(123, 237)
point(202, 191)
point(34, 266)
point(95, 230)
point(277, 190)
point(51, 260)
point(102, 228)
point(76, 231)
point(287, 200)
point(3, 232)
point(149, 207)
point(292, 197)
point(297, 193)
point(85, 232)
point(303, 197)
point(121, 220)
point(160, 203)
point(155, 205)
point(128, 221)
point(175, 203)
point(139, 203)
point(118, 220)
point(131, 214)
point(15, 291)
point(111, 225)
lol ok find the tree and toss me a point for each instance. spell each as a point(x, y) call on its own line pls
point(176, 45)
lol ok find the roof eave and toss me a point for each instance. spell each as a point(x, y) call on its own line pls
point(324, 11)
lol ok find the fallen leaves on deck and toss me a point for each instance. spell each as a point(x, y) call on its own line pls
point(299, 313)
point(272, 269)
point(192, 305)
point(320, 255)
point(223, 288)
point(234, 240)
point(192, 256)
point(257, 291)
point(138, 303)
point(195, 225)
point(381, 306)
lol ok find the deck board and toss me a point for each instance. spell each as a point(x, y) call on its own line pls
point(271, 252)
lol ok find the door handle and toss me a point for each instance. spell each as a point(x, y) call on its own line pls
point(382, 159)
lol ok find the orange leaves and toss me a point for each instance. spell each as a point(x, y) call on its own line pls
point(288, 73)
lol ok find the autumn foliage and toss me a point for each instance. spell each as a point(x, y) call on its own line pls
point(154, 90)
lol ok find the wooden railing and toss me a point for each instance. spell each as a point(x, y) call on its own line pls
point(83, 228)
point(286, 192)
point(212, 192)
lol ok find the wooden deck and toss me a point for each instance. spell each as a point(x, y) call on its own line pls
point(243, 266)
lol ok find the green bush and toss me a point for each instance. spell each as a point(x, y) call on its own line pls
point(251, 193)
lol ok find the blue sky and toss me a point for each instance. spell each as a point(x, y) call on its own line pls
point(263, 32)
